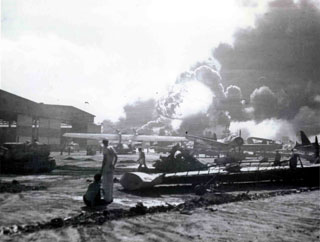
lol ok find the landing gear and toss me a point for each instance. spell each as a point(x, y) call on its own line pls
point(200, 190)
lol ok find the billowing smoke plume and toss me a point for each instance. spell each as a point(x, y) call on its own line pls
point(307, 119)
point(234, 103)
point(195, 124)
point(266, 84)
point(233, 92)
point(271, 72)
point(276, 65)
point(136, 115)
point(264, 103)
point(198, 109)
point(211, 79)
point(161, 126)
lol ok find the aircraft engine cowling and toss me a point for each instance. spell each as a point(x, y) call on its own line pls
point(237, 141)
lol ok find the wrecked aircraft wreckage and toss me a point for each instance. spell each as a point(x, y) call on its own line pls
point(178, 160)
point(306, 149)
point(230, 165)
point(180, 167)
point(25, 158)
point(252, 173)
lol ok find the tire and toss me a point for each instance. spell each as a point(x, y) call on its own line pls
point(200, 190)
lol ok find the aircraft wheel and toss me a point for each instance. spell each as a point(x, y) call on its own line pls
point(200, 190)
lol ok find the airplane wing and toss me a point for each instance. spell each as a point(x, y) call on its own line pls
point(212, 142)
point(126, 137)
point(91, 136)
point(158, 138)
point(226, 144)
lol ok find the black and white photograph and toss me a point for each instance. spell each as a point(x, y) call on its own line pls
point(160, 120)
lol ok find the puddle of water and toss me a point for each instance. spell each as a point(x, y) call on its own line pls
point(147, 203)
point(77, 198)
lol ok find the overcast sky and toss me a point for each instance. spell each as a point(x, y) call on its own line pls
point(100, 55)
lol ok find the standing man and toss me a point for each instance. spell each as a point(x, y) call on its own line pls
point(110, 159)
point(141, 159)
point(277, 159)
point(293, 161)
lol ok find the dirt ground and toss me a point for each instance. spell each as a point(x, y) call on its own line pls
point(294, 217)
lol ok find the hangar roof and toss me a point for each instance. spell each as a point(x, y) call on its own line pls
point(11, 105)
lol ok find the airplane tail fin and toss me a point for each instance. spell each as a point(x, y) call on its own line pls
point(304, 139)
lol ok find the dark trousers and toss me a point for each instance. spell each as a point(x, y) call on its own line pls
point(97, 202)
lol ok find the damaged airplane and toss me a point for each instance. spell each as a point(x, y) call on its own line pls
point(306, 149)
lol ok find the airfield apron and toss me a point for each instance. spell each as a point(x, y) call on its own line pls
point(107, 173)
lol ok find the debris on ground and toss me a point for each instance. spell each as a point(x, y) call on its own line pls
point(99, 217)
point(16, 187)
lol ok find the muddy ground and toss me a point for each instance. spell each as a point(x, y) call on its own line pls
point(293, 217)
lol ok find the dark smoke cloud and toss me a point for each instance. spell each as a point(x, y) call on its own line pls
point(210, 78)
point(307, 119)
point(210, 63)
point(136, 115)
point(234, 103)
point(195, 124)
point(271, 73)
point(264, 102)
point(281, 53)
point(233, 93)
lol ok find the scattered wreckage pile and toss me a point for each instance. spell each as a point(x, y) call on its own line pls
point(178, 160)
point(100, 217)
point(25, 158)
point(180, 167)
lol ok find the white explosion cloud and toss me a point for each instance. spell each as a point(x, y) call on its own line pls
point(185, 99)
point(268, 128)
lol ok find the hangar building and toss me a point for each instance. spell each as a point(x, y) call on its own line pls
point(24, 120)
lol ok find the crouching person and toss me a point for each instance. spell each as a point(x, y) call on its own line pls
point(92, 197)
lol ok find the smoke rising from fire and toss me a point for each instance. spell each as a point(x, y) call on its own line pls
point(267, 84)
point(276, 66)
point(198, 109)
point(271, 74)
point(264, 103)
